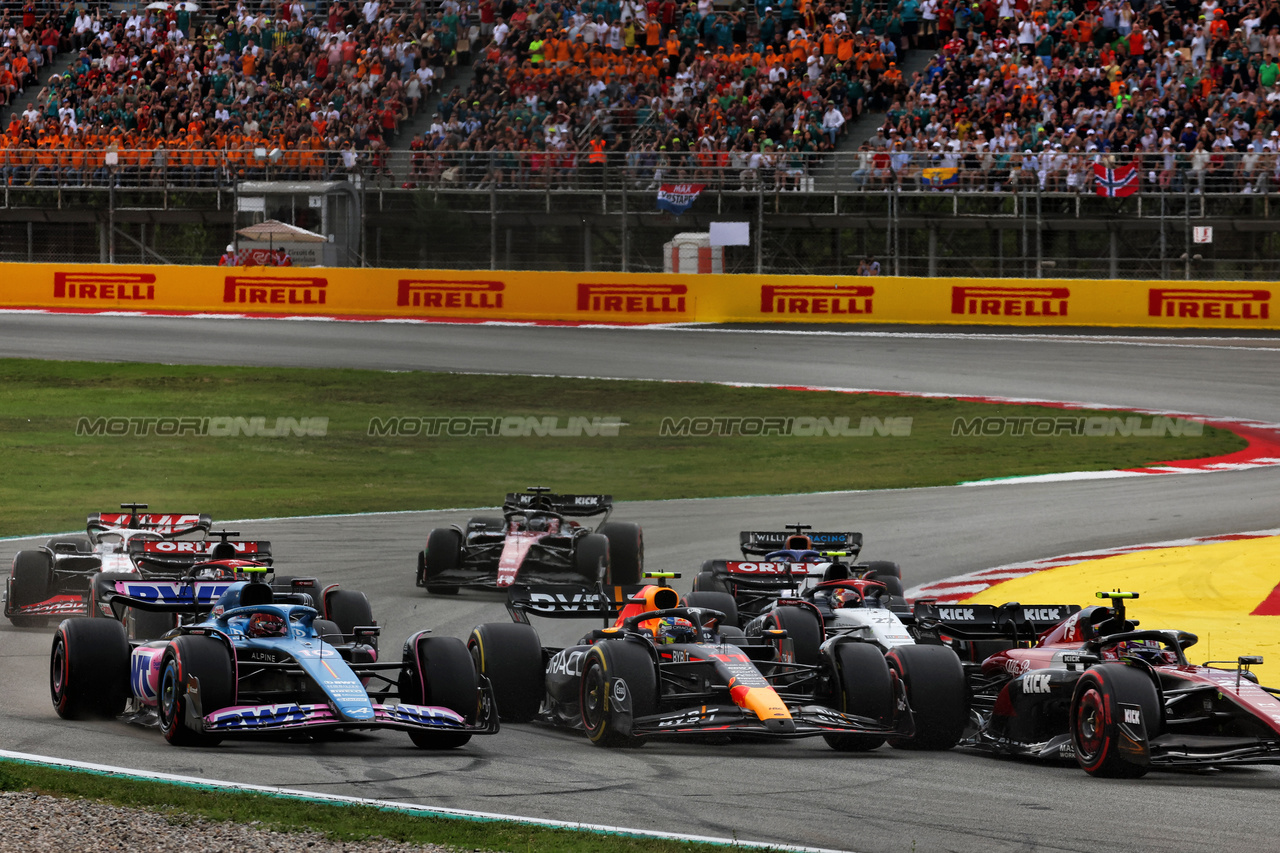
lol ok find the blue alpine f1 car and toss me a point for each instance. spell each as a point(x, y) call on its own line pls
point(253, 661)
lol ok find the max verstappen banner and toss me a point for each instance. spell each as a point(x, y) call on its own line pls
point(677, 198)
point(632, 298)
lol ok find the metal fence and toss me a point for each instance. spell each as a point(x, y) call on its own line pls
point(987, 215)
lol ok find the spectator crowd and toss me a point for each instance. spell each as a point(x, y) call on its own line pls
point(1019, 94)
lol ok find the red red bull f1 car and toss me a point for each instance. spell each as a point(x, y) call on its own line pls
point(1090, 685)
point(660, 667)
point(247, 660)
point(537, 540)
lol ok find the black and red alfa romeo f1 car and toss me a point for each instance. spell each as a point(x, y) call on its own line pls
point(1094, 687)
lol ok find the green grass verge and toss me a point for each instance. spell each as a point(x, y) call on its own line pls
point(53, 476)
point(338, 821)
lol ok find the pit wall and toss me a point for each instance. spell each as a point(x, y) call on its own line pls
point(618, 298)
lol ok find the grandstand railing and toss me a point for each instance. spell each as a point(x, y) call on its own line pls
point(1115, 176)
point(992, 215)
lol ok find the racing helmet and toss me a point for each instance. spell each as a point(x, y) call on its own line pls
point(844, 597)
point(1150, 651)
point(539, 523)
point(266, 625)
point(673, 629)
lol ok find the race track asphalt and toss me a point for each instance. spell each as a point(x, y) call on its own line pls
point(796, 792)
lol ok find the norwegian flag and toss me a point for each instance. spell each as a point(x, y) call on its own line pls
point(1119, 182)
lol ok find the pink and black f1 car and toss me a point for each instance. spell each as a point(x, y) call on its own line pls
point(1094, 687)
point(536, 541)
point(665, 668)
point(247, 660)
point(55, 581)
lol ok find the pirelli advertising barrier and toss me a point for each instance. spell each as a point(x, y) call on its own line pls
point(636, 298)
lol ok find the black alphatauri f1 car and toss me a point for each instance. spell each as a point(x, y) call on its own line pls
point(536, 540)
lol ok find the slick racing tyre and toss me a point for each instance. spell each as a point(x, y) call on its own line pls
point(189, 660)
point(937, 693)
point(591, 551)
point(349, 609)
point(89, 668)
point(882, 568)
point(803, 629)
point(863, 688)
point(626, 551)
point(509, 654)
point(721, 601)
point(443, 675)
point(147, 625)
point(616, 659)
point(329, 631)
point(1096, 718)
point(71, 545)
point(444, 551)
point(706, 581)
point(32, 583)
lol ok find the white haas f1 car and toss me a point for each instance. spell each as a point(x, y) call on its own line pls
point(1094, 688)
point(536, 541)
point(56, 580)
point(253, 661)
point(778, 564)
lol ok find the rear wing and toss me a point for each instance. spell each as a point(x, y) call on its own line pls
point(1012, 621)
point(766, 575)
point(177, 596)
point(188, 552)
point(168, 525)
point(761, 542)
point(571, 505)
point(569, 601)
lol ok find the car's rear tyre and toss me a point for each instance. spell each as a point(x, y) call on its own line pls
point(349, 609)
point(32, 583)
point(591, 551)
point(187, 660)
point(89, 669)
point(71, 544)
point(803, 629)
point(706, 581)
point(444, 552)
point(329, 631)
point(443, 675)
point(865, 689)
point(937, 693)
point(882, 568)
point(148, 625)
point(626, 551)
point(721, 601)
point(631, 663)
point(509, 654)
point(1096, 718)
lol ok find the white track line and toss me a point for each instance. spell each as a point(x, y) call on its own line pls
point(391, 805)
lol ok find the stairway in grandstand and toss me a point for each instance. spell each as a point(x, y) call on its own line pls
point(864, 126)
point(460, 76)
point(61, 65)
